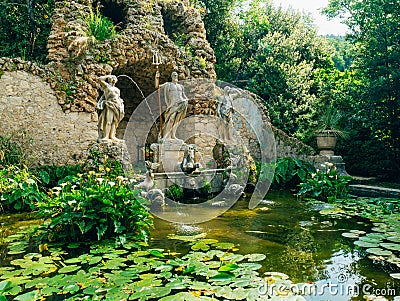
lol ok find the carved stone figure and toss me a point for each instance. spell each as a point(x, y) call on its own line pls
point(177, 103)
point(110, 109)
point(188, 165)
point(224, 111)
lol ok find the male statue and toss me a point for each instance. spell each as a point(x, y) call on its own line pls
point(177, 103)
point(110, 109)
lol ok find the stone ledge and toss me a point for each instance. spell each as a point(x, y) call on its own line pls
point(374, 191)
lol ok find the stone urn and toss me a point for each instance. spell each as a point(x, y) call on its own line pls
point(326, 142)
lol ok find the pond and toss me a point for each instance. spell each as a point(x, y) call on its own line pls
point(295, 237)
point(298, 241)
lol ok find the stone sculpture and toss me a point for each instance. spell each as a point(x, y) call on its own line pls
point(177, 103)
point(110, 109)
point(188, 165)
point(224, 111)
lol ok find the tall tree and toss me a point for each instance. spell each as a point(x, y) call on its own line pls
point(375, 31)
point(24, 28)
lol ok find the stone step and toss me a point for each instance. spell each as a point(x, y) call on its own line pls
point(374, 191)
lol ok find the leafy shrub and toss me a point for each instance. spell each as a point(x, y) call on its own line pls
point(19, 191)
point(290, 172)
point(174, 192)
point(51, 175)
point(99, 26)
point(12, 149)
point(92, 207)
point(325, 185)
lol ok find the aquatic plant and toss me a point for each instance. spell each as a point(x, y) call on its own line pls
point(99, 26)
point(19, 191)
point(210, 271)
point(325, 185)
point(92, 207)
point(174, 192)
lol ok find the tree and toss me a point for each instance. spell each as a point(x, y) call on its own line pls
point(25, 27)
point(375, 32)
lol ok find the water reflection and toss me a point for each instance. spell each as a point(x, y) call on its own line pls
point(297, 240)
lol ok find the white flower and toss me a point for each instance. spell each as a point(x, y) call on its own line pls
point(313, 175)
point(63, 184)
point(71, 202)
point(100, 180)
point(111, 183)
point(30, 181)
point(57, 188)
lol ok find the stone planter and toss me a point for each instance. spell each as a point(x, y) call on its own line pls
point(326, 142)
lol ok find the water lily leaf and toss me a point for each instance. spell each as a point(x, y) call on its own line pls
point(255, 257)
point(72, 288)
point(15, 290)
point(184, 296)
point(360, 232)
point(369, 239)
point(69, 269)
point(5, 285)
point(250, 266)
point(48, 291)
point(200, 246)
point(332, 211)
point(232, 257)
point(224, 245)
point(277, 274)
point(187, 238)
point(157, 253)
point(228, 267)
point(30, 296)
point(391, 246)
point(394, 239)
point(366, 244)
point(73, 245)
point(223, 276)
point(379, 252)
point(350, 235)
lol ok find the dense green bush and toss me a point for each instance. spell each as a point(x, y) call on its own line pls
point(289, 172)
point(12, 149)
point(52, 175)
point(24, 28)
point(19, 190)
point(174, 192)
point(99, 26)
point(325, 185)
point(93, 207)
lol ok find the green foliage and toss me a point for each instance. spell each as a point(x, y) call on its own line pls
point(93, 207)
point(12, 150)
point(24, 28)
point(330, 120)
point(290, 172)
point(174, 192)
point(325, 185)
point(211, 270)
point(99, 26)
point(342, 52)
point(19, 191)
point(52, 175)
point(375, 32)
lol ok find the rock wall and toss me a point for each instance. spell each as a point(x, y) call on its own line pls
point(55, 104)
point(28, 104)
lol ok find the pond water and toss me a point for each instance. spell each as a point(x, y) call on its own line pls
point(299, 242)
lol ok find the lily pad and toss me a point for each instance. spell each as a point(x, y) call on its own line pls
point(391, 246)
point(255, 257)
point(394, 239)
point(379, 252)
point(376, 235)
point(360, 232)
point(350, 235)
point(366, 244)
point(371, 239)
point(68, 269)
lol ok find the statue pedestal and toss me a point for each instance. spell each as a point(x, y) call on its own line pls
point(168, 153)
point(114, 151)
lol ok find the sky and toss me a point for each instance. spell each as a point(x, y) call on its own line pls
point(323, 25)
